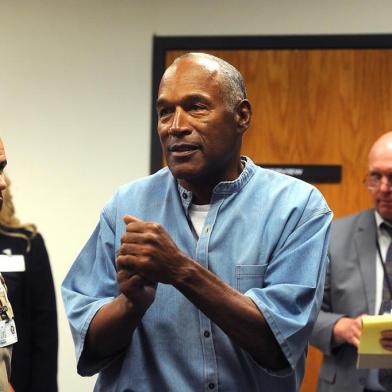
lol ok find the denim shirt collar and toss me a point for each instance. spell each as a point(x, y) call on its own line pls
point(224, 187)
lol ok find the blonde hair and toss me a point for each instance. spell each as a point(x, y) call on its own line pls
point(9, 223)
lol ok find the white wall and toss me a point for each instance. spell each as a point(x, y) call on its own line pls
point(75, 83)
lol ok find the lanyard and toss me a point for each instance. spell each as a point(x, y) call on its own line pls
point(386, 277)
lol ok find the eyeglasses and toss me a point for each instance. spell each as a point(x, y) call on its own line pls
point(373, 180)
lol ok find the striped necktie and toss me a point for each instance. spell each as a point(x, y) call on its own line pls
point(385, 375)
point(387, 282)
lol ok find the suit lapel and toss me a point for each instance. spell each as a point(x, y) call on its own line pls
point(365, 243)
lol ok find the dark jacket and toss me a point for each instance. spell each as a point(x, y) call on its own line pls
point(32, 296)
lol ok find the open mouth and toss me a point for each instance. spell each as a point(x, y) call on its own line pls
point(183, 148)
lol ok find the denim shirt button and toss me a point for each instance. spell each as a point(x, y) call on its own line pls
point(206, 334)
point(211, 385)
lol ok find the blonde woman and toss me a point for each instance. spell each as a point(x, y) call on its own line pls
point(31, 292)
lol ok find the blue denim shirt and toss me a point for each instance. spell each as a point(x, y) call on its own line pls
point(265, 234)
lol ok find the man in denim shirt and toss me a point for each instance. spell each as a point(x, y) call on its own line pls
point(208, 275)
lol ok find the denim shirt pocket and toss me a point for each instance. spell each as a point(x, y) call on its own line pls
point(249, 276)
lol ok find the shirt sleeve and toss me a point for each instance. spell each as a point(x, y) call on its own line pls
point(90, 284)
point(294, 280)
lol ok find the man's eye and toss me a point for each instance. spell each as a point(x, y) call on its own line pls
point(198, 107)
point(375, 176)
point(162, 112)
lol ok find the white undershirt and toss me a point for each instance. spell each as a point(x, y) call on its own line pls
point(198, 215)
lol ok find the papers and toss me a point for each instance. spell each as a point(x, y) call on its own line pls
point(370, 353)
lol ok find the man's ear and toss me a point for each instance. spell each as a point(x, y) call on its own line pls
point(243, 115)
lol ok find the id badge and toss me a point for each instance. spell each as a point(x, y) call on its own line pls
point(7, 333)
point(13, 263)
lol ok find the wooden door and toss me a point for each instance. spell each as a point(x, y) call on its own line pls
point(316, 107)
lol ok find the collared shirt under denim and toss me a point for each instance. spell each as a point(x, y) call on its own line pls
point(265, 235)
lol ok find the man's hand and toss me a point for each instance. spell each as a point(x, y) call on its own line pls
point(148, 251)
point(386, 339)
point(138, 290)
point(111, 329)
point(348, 330)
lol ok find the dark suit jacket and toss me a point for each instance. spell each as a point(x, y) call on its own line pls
point(349, 290)
point(31, 293)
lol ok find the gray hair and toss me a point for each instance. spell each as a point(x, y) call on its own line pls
point(234, 89)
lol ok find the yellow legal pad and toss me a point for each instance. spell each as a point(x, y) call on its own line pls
point(370, 352)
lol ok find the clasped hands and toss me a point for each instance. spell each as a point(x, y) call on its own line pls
point(147, 256)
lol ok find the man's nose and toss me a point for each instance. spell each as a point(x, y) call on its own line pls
point(385, 184)
point(179, 124)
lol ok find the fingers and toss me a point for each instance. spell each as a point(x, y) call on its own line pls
point(139, 237)
point(131, 238)
point(134, 225)
point(348, 330)
point(387, 334)
point(137, 289)
point(125, 262)
point(134, 264)
point(126, 249)
point(386, 344)
point(358, 320)
point(125, 274)
point(386, 339)
point(130, 219)
point(133, 279)
point(355, 341)
point(358, 327)
point(356, 332)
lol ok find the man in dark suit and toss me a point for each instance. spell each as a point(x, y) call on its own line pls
point(355, 281)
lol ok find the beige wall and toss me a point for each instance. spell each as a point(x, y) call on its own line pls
point(75, 82)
